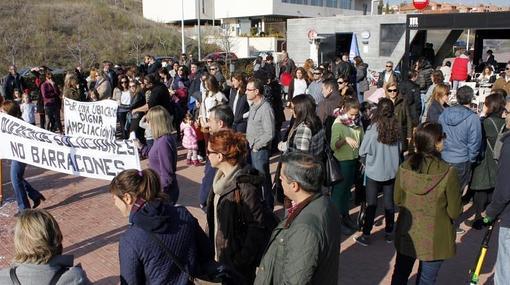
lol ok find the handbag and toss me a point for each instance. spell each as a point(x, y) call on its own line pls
point(332, 171)
point(277, 187)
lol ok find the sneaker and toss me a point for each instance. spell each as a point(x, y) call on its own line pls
point(363, 240)
point(200, 158)
point(189, 162)
point(388, 238)
point(196, 163)
point(459, 231)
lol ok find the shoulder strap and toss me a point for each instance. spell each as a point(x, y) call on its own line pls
point(57, 275)
point(14, 277)
point(170, 254)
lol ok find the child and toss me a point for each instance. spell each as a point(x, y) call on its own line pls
point(189, 140)
point(149, 140)
point(17, 96)
point(27, 109)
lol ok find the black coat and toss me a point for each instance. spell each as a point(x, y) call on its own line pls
point(245, 223)
point(242, 107)
point(11, 83)
point(410, 91)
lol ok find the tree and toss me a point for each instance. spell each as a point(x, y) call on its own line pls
point(387, 8)
point(380, 8)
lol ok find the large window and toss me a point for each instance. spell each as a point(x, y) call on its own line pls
point(316, 2)
point(390, 36)
point(345, 4)
point(332, 3)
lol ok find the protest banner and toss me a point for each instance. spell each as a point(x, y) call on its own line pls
point(90, 119)
point(81, 156)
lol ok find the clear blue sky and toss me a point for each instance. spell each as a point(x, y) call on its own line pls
point(466, 2)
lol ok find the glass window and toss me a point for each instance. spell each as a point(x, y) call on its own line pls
point(316, 2)
point(345, 4)
point(389, 38)
point(332, 3)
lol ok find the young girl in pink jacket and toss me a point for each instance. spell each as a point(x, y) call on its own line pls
point(189, 140)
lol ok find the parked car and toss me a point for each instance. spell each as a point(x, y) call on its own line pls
point(220, 56)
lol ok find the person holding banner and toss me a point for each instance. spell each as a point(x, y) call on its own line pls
point(20, 186)
point(163, 153)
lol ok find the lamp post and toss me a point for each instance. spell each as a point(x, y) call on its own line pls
point(198, 37)
point(183, 46)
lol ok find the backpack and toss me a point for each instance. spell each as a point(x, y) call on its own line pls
point(496, 151)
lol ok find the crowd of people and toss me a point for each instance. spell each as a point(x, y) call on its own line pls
point(423, 146)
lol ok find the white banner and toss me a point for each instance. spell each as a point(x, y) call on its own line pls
point(80, 156)
point(90, 119)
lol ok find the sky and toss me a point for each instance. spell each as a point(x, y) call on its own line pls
point(466, 2)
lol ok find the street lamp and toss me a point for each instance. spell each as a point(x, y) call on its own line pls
point(183, 47)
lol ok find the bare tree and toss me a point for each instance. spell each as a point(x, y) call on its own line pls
point(13, 41)
point(138, 44)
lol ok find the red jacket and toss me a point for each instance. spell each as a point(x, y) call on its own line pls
point(460, 69)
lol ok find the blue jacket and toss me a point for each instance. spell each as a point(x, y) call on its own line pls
point(463, 134)
point(381, 160)
point(143, 261)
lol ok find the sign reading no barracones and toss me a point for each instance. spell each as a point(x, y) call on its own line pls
point(81, 156)
point(90, 119)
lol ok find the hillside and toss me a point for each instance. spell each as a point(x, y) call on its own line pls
point(64, 33)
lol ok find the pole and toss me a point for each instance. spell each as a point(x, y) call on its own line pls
point(198, 37)
point(183, 46)
point(467, 41)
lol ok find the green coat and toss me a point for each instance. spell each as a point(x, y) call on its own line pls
point(429, 202)
point(307, 252)
point(484, 173)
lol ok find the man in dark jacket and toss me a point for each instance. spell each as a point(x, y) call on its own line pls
point(388, 75)
point(410, 91)
point(12, 81)
point(500, 208)
point(305, 247)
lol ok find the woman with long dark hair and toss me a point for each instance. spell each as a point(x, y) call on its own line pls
point(381, 150)
point(306, 124)
point(427, 192)
point(402, 114)
point(484, 173)
point(299, 84)
point(238, 102)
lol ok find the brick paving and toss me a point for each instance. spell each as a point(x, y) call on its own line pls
point(92, 225)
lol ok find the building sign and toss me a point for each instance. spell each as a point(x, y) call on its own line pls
point(413, 22)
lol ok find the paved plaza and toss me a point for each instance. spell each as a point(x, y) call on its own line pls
point(92, 225)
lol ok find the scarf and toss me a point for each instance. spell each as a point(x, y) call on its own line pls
point(341, 115)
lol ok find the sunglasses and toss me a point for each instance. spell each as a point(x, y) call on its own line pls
point(389, 65)
point(247, 89)
point(393, 90)
point(317, 73)
point(340, 82)
point(208, 152)
point(508, 68)
point(213, 68)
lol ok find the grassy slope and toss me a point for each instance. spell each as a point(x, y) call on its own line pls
point(51, 32)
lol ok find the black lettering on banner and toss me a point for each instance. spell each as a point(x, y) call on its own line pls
point(61, 160)
point(80, 169)
point(98, 165)
point(89, 167)
point(35, 154)
point(119, 164)
point(107, 167)
point(18, 150)
point(51, 158)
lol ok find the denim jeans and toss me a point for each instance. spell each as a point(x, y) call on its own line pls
point(463, 173)
point(372, 189)
point(260, 161)
point(207, 182)
point(427, 271)
point(21, 187)
point(502, 274)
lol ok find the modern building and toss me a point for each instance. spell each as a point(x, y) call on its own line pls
point(247, 17)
